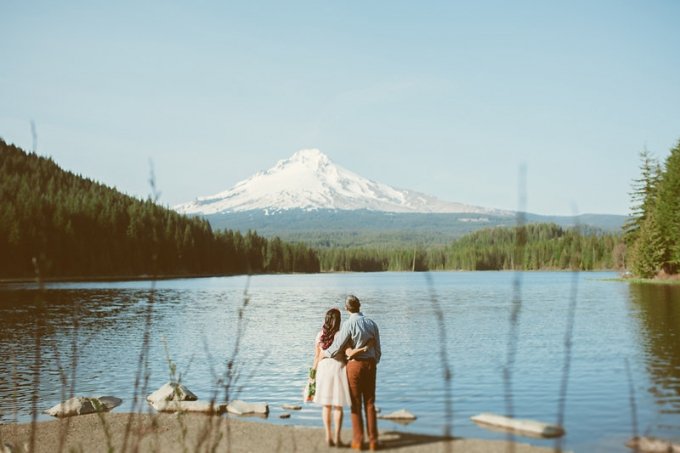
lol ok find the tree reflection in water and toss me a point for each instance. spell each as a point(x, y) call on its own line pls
point(658, 312)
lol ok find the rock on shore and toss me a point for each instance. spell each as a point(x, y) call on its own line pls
point(239, 407)
point(206, 407)
point(82, 405)
point(171, 391)
point(401, 414)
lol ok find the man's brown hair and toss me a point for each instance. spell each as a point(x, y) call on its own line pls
point(352, 304)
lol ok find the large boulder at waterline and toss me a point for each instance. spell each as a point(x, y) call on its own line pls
point(206, 407)
point(172, 391)
point(239, 407)
point(82, 405)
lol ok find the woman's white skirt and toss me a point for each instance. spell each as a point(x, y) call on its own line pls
point(331, 384)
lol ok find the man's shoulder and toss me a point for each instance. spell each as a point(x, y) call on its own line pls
point(369, 321)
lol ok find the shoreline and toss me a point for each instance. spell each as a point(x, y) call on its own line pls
point(110, 278)
point(198, 432)
point(148, 277)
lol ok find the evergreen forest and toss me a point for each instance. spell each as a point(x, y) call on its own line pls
point(528, 247)
point(63, 225)
point(653, 233)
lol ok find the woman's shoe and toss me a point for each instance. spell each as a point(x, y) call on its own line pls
point(340, 444)
point(330, 443)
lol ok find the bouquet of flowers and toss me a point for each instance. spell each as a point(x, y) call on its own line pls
point(310, 388)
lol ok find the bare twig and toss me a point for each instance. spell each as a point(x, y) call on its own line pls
point(447, 374)
point(513, 333)
point(212, 424)
point(633, 405)
point(232, 372)
point(34, 137)
point(568, 345)
point(68, 385)
point(38, 330)
point(143, 372)
point(37, 364)
point(227, 381)
point(15, 389)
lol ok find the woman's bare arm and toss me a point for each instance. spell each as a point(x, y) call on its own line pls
point(350, 352)
point(317, 355)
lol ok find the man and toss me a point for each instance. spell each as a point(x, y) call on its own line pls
point(357, 332)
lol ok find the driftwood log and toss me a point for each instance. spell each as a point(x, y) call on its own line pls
point(518, 426)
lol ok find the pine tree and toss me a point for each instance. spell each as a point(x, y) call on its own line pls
point(648, 251)
point(643, 196)
point(667, 212)
point(654, 232)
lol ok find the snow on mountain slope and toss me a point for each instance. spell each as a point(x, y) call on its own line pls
point(309, 180)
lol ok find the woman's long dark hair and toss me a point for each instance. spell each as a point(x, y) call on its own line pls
point(330, 327)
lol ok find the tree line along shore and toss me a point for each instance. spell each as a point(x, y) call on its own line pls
point(652, 235)
point(63, 225)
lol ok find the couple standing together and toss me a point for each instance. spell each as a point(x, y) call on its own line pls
point(345, 361)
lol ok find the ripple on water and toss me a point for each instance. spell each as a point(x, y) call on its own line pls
point(198, 321)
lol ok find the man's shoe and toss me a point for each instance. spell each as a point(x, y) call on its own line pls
point(356, 446)
point(373, 446)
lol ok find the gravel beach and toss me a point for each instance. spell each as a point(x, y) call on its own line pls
point(194, 432)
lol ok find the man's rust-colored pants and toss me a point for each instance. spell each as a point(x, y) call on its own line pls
point(361, 376)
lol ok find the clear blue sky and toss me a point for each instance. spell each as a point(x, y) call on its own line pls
point(447, 98)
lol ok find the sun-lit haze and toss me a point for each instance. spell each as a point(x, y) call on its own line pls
point(448, 99)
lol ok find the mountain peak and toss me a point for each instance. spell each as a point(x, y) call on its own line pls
point(309, 180)
point(311, 158)
point(312, 155)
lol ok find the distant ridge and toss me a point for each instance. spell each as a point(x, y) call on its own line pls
point(310, 181)
point(307, 198)
point(328, 228)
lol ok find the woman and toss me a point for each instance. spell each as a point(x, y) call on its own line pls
point(332, 390)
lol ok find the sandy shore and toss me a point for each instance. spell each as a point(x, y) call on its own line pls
point(193, 433)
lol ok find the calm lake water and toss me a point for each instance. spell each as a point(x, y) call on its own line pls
point(197, 320)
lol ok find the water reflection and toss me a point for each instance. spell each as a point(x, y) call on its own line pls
point(197, 319)
point(657, 308)
point(48, 330)
point(86, 339)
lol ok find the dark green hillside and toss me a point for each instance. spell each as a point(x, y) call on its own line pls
point(363, 228)
point(74, 226)
point(547, 247)
point(358, 228)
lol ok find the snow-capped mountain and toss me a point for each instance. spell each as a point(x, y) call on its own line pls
point(309, 180)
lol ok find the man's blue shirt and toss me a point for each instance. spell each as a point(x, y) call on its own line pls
point(356, 331)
